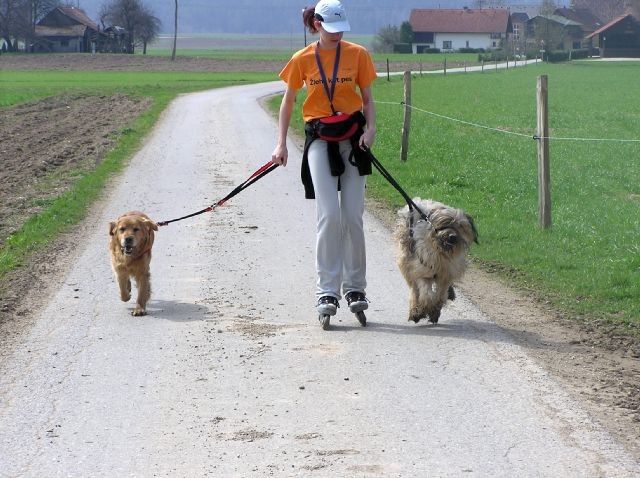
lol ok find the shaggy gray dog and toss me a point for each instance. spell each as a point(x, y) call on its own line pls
point(432, 254)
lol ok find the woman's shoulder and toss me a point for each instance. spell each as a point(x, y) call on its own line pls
point(347, 45)
point(307, 50)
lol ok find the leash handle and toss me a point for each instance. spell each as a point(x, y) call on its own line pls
point(258, 174)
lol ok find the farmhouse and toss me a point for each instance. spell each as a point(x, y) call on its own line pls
point(450, 30)
point(620, 38)
point(554, 32)
point(587, 20)
point(66, 29)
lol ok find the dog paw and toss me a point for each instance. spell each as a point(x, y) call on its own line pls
point(451, 294)
point(434, 316)
point(138, 312)
point(125, 297)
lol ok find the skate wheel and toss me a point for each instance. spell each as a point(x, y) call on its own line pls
point(361, 318)
point(324, 320)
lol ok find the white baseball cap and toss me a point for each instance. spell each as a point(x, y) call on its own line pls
point(332, 16)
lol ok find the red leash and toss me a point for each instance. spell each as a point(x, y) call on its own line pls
point(260, 173)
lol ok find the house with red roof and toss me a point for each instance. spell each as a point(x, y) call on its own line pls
point(66, 29)
point(455, 29)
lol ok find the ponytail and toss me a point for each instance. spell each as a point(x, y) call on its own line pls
point(308, 19)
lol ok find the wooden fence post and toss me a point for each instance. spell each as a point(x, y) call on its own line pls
point(445, 65)
point(544, 176)
point(406, 124)
point(388, 76)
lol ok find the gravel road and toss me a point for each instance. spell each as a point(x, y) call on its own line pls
point(230, 373)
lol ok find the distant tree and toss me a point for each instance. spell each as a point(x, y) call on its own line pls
point(406, 33)
point(385, 39)
point(140, 24)
point(607, 11)
point(547, 7)
point(38, 9)
point(15, 22)
point(148, 29)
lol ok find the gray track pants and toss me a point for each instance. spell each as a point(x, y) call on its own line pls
point(340, 246)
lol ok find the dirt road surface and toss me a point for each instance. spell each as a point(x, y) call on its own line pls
point(230, 373)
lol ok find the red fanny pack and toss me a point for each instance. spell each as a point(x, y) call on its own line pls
point(337, 127)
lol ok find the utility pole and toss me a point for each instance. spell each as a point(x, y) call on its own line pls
point(175, 31)
point(304, 30)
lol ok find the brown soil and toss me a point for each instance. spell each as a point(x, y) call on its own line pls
point(42, 143)
point(112, 62)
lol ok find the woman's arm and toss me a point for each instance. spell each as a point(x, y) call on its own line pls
point(369, 135)
point(281, 154)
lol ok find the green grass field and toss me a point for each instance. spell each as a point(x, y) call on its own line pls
point(241, 43)
point(587, 265)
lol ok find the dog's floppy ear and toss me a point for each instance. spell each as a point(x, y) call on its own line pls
point(112, 228)
point(151, 224)
point(473, 228)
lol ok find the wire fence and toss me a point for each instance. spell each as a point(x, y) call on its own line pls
point(499, 130)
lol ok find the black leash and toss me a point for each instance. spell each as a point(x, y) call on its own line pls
point(412, 205)
point(260, 173)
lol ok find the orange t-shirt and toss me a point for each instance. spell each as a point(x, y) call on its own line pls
point(355, 69)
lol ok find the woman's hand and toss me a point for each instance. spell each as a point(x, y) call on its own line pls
point(367, 138)
point(280, 155)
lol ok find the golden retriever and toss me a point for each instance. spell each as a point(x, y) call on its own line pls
point(132, 236)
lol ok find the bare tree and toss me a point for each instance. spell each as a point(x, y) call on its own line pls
point(38, 9)
point(547, 7)
point(137, 20)
point(148, 28)
point(605, 11)
point(175, 31)
point(15, 22)
point(385, 39)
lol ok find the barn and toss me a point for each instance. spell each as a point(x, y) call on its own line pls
point(620, 38)
point(66, 29)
